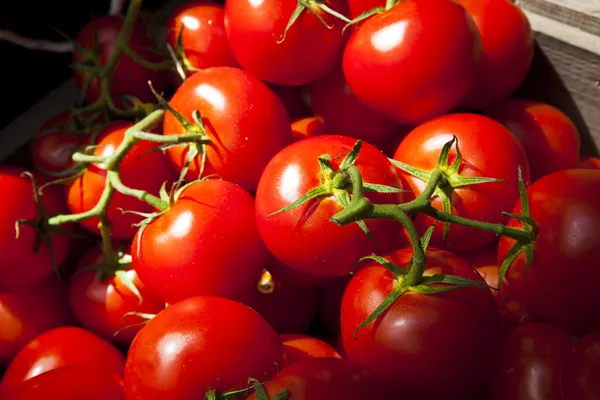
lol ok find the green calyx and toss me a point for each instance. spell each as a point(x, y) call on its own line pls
point(315, 7)
point(253, 386)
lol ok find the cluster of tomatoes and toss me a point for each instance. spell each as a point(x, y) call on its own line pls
point(207, 265)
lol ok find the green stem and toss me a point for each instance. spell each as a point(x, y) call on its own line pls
point(108, 252)
point(156, 66)
point(86, 158)
point(417, 264)
point(191, 137)
point(142, 195)
point(390, 3)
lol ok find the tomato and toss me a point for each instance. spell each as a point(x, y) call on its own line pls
point(207, 243)
point(357, 7)
point(549, 137)
point(20, 265)
point(61, 347)
point(415, 61)
point(243, 119)
point(102, 305)
point(71, 383)
point(532, 361)
point(589, 162)
point(309, 50)
point(306, 127)
point(99, 38)
point(481, 257)
point(321, 248)
point(563, 282)
point(297, 347)
point(422, 336)
point(141, 168)
point(200, 344)
point(326, 379)
point(29, 312)
point(488, 150)
point(330, 303)
point(580, 375)
point(508, 47)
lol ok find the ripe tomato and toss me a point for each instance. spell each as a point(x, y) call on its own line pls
point(101, 305)
point(357, 7)
point(326, 379)
point(99, 37)
point(321, 248)
point(422, 336)
point(244, 120)
point(207, 243)
point(415, 61)
point(563, 282)
point(549, 137)
point(580, 374)
point(330, 303)
point(71, 383)
point(61, 347)
point(29, 312)
point(309, 50)
point(141, 168)
point(488, 150)
point(306, 127)
point(297, 347)
point(589, 162)
point(200, 344)
point(508, 47)
point(20, 265)
point(533, 358)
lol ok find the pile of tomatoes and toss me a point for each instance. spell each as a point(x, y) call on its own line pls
point(213, 269)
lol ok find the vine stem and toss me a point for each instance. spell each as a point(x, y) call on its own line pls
point(35, 44)
point(116, 7)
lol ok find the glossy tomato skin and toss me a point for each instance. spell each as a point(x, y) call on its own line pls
point(563, 282)
point(199, 344)
point(141, 168)
point(28, 312)
point(101, 305)
point(61, 347)
point(589, 162)
point(207, 243)
point(320, 247)
point(71, 383)
point(488, 150)
point(533, 358)
point(307, 52)
point(580, 376)
point(298, 347)
point(549, 137)
point(451, 336)
point(415, 61)
point(244, 120)
point(508, 47)
point(20, 266)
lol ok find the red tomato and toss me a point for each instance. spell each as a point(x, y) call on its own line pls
point(589, 162)
point(297, 347)
point(508, 47)
point(330, 303)
point(422, 336)
point(309, 50)
point(244, 120)
point(321, 248)
point(61, 347)
point(71, 383)
point(563, 282)
point(580, 374)
point(549, 137)
point(207, 243)
point(99, 37)
point(307, 127)
point(326, 379)
point(141, 169)
point(357, 7)
point(29, 312)
point(415, 61)
point(20, 265)
point(199, 344)
point(101, 305)
point(488, 150)
point(532, 361)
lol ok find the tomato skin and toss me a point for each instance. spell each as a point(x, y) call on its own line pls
point(219, 250)
point(17, 254)
point(244, 119)
point(549, 137)
point(71, 383)
point(307, 127)
point(580, 376)
point(357, 7)
point(422, 336)
point(321, 248)
point(416, 61)
point(29, 312)
point(308, 51)
point(533, 357)
point(508, 47)
point(61, 347)
point(101, 306)
point(199, 344)
point(488, 150)
point(589, 162)
point(298, 347)
point(562, 284)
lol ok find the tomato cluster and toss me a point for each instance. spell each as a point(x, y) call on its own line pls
point(310, 200)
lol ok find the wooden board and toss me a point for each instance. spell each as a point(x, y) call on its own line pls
point(583, 14)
